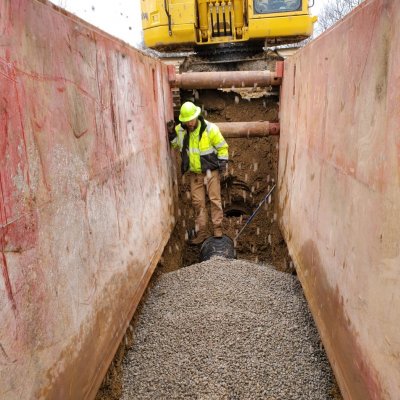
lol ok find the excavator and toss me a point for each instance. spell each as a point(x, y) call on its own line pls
point(170, 25)
point(228, 32)
point(222, 36)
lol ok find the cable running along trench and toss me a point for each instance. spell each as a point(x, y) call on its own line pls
point(256, 211)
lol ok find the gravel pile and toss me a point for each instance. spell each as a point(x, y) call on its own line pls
point(226, 329)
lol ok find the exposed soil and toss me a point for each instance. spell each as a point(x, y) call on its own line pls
point(253, 169)
point(252, 172)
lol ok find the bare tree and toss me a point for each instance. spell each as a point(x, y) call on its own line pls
point(334, 11)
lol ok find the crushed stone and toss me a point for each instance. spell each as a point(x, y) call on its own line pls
point(226, 329)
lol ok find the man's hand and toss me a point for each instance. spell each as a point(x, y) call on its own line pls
point(223, 168)
point(171, 130)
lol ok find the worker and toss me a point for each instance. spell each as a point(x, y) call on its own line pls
point(204, 154)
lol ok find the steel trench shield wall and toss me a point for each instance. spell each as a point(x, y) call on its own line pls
point(339, 192)
point(86, 196)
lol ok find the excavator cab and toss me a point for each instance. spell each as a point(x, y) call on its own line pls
point(268, 6)
point(186, 24)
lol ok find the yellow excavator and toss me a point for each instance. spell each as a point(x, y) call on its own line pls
point(188, 24)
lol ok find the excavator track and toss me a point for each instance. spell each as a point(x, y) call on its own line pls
point(229, 52)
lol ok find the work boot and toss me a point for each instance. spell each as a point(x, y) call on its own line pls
point(218, 232)
point(199, 239)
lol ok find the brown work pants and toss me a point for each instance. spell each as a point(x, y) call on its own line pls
point(199, 183)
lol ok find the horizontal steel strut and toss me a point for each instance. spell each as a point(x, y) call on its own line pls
point(248, 129)
point(225, 79)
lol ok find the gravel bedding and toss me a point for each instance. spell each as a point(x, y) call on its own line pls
point(226, 329)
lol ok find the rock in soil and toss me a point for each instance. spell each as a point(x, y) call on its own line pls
point(226, 329)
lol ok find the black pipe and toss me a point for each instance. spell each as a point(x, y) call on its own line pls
point(230, 22)
point(217, 246)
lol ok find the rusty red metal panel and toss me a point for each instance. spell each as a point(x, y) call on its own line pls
point(279, 69)
point(339, 192)
point(86, 196)
point(171, 73)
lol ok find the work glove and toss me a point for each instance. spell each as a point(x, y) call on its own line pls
point(171, 130)
point(223, 168)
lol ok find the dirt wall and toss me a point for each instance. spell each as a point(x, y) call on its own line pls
point(252, 171)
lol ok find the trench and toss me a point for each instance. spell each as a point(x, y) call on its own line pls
point(253, 170)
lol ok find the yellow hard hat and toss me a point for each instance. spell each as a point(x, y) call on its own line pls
point(189, 111)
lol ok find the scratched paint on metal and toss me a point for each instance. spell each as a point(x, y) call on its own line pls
point(339, 194)
point(86, 190)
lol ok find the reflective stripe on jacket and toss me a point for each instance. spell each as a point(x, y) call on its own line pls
point(206, 146)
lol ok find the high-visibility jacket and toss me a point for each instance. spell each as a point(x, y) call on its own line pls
point(203, 149)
